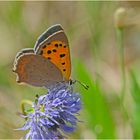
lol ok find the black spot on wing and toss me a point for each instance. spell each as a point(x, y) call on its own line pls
point(49, 52)
point(49, 58)
point(56, 45)
point(62, 55)
point(63, 63)
point(54, 50)
point(44, 46)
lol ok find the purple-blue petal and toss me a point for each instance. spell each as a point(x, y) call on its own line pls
point(60, 107)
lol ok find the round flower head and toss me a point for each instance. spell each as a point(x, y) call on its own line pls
point(53, 114)
point(126, 17)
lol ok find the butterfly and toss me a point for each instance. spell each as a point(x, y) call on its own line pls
point(48, 62)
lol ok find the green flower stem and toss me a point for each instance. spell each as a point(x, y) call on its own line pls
point(120, 38)
point(120, 32)
point(22, 105)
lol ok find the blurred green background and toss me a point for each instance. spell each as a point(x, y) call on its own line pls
point(95, 61)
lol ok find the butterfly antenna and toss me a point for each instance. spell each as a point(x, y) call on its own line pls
point(81, 83)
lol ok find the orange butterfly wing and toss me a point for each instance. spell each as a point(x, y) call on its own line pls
point(53, 45)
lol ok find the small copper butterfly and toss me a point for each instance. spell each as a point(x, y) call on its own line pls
point(48, 62)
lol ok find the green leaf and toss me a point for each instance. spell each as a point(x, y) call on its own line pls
point(99, 116)
point(135, 91)
point(30, 110)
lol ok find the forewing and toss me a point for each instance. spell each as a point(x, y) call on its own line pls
point(53, 45)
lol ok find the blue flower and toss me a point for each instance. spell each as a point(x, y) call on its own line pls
point(54, 114)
